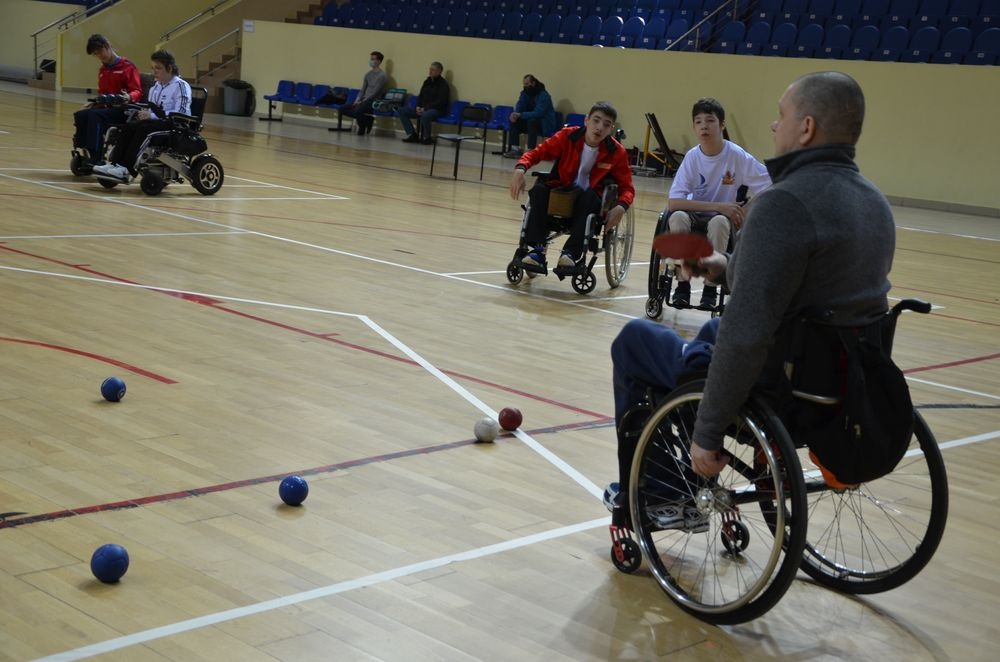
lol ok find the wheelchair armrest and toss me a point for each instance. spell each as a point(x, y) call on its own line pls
point(185, 121)
point(542, 175)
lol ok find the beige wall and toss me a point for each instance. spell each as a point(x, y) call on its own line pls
point(929, 133)
point(18, 19)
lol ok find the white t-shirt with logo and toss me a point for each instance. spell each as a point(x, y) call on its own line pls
point(587, 160)
point(717, 178)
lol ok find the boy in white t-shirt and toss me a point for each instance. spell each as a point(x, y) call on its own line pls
point(705, 189)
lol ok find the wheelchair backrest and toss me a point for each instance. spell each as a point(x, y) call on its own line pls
point(199, 96)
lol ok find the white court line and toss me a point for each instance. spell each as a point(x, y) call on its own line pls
point(193, 219)
point(948, 234)
point(316, 593)
point(122, 234)
point(953, 388)
point(473, 273)
point(371, 580)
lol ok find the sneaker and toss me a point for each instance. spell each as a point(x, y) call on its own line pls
point(612, 496)
point(427, 141)
point(112, 171)
point(567, 260)
point(709, 297)
point(682, 516)
point(535, 258)
point(412, 138)
point(512, 153)
point(682, 294)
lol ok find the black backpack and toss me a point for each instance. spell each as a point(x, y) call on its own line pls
point(847, 401)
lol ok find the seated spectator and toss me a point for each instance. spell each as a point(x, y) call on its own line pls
point(432, 103)
point(170, 94)
point(372, 87)
point(117, 76)
point(588, 157)
point(533, 114)
point(705, 188)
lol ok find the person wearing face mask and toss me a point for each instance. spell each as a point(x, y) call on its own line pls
point(170, 94)
point(533, 115)
point(372, 87)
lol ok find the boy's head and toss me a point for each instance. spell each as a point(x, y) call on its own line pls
point(375, 58)
point(600, 123)
point(99, 46)
point(709, 119)
point(164, 65)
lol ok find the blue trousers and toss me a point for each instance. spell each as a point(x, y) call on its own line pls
point(90, 126)
point(406, 114)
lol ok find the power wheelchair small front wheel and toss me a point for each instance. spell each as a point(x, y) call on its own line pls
point(206, 174)
point(584, 283)
point(80, 166)
point(151, 183)
point(515, 274)
point(107, 183)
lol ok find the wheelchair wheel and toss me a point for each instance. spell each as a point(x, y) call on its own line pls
point(584, 283)
point(626, 556)
point(80, 166)
point(107, 183)
point(654, 308)
point(207, 175)
point(658, 285)
point(151, 183)
point(515, 274)
point(879, 535)
point(745, 529)
point(618, 249)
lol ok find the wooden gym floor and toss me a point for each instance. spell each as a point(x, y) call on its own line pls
point(335, 312)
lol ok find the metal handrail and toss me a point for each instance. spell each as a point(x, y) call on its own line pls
point(697, 26)
point(234, 31)
point(210, 10)
point(64, 22)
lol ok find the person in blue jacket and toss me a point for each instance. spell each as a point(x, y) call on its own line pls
point(533, 115)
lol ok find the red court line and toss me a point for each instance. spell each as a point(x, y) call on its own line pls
point(97, 357)
point(222, 487)
point(951, 364)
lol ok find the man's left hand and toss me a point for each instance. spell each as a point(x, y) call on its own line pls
point(614, 217)
point(707, 463)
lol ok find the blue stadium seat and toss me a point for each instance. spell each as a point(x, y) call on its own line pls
point(357, 17)
point(655, 28)
point(511, 23)
point(836, 41)
point(454, 114)
point(894, 42)
point(782, 39)
point(568, 29)
point(584, 8)
point(622, 8)
point(562, 7)
point(675, 30)
point(808, 41)
point(529, 27)
point(342, 15)
point(901, 12)
point(611, 28)
point(632, 32)
point(405, 19)
point(374, 18)
point(954, 46)
point(549, 28)
point(698, 39)
point(473, 24)
point(818, 11)
point(438, 22)
point(729, 38)
point(757, 36)
point(929, 13)
point(689, 10)
point(765, 10)
point(791, 12)
point(456, 24)
point(989, 17)
point(493, 21)
point(986, 48)
point(589, 29)
point(844, 12)
point(872, 12)
point(925, 41)
point(665, 9)
point(645, 9)
point(285, 92)
point(863, 43)
point(575, 119)
point(501, 122)
point(960, 14)
point(303, 93)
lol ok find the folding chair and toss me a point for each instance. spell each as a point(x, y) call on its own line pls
point(473, 115)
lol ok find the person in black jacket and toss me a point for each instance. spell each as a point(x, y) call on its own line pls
point(431, 104)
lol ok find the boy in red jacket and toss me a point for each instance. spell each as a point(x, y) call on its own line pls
point(585, 158)
point(117, 76)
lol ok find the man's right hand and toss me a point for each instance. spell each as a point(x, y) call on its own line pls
point(420, 110)
point(712, 268)
point(515, 117)
point(517, 183)
point(734, 211)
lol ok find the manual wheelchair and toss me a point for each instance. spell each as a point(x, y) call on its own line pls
point(616, 244)
point(771, 512)
point(172, 155)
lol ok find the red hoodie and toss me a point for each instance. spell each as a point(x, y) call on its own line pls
point(121, 76)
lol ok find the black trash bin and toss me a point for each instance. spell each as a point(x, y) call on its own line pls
point(238, 98)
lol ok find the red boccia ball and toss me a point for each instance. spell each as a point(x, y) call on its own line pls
point(510, 418)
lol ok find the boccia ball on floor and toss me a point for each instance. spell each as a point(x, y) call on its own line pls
point(113, 389)
point(293, 490)
point(486, 429)
point(109, 563)
point(510, 418)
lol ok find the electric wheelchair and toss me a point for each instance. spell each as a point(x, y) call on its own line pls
point(173, 155)
point(772, 510)
point(616, 244)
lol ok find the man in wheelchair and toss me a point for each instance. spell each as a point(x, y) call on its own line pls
point(587, 159)
point(169, 94)
point(822, 237)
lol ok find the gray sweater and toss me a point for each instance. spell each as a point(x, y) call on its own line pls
point(823, 235)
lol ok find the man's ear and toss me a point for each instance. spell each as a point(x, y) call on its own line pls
point(808, 130)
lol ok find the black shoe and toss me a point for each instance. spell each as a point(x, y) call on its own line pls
point(709, 297)
point(427, 141)
point(412, 138)
point(682, 295)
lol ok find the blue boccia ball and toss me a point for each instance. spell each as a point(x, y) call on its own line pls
point(109, 563)
point(293, 490)
point(113, 389)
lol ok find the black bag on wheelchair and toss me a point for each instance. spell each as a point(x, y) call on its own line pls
point(863, 430)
